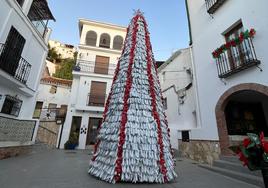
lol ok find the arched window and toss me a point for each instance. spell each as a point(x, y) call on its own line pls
point(118, 42)
point(91, 38)
point(105, 40)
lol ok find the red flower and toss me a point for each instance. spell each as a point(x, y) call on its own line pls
point(246, 142)
point(243, 158)
point(265, 146)
point(252, 32)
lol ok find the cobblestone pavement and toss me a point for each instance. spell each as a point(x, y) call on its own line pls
point(68, 169)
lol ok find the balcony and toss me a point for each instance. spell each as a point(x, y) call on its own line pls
point(39, 14)
point(96, 100)
point(213, 5)
point(89, 67)
point(16, 67)
point(238, 57)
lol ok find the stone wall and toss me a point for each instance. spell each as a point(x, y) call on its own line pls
point(48, 133)
point(7, 152)
point(200, 150)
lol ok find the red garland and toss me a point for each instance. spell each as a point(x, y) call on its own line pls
point(242, 36)
point(154, 110)
point(108, 101)
point(122, 135)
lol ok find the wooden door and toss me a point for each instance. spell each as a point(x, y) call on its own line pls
point(101, 65)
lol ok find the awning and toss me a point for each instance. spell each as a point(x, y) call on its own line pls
point(40, 11)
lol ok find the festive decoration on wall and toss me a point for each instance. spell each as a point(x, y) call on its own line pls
point(133, 141)
point(243, 35)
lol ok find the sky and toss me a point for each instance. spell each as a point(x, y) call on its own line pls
point(167, 20)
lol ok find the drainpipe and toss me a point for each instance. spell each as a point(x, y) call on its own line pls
point(189, 23)
point(198, 111)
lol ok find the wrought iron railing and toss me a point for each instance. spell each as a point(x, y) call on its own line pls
point(96, 100)
point(237, 58)
point(8, 63)
point(89, 66)
point(50, 114)
point(213, 5)
point(41, 27)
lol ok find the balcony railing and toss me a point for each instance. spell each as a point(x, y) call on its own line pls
point(96, 100)
point(213, 5)
point(41, 27)
point(89, 67)
point(17, 67)
point(237, 58)
point(50, 114)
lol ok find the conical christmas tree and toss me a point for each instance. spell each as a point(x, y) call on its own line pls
point(133, 141)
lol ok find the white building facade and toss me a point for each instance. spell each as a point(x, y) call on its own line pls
point(99, 49)
point(232, 84)
point(23, 48)
point(176, 81)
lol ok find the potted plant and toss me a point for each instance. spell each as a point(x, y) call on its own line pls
point(253, 152)
point(72, 142)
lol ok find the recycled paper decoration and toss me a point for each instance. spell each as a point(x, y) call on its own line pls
point(133, 142)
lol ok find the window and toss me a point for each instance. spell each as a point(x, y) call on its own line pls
point(11, 53)
point(118, 42)
point(185, 136)
point(53, 89)
point(11, 106)
point(105, 40)
point(102, 65)
point(91, 38)
point(165, 103)
point(236, 55)
point(97, 94)
point(38, 109)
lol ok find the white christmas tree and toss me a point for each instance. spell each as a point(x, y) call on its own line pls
point(133, 141)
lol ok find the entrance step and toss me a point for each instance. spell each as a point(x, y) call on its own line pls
point(237, 167)
point(250, 179)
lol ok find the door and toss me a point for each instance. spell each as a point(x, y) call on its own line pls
point(101, 65)
point(93, 125)
point(11, 53)
point(75, 128)
point(236, 54)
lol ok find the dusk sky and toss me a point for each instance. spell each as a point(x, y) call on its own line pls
point(167, 20)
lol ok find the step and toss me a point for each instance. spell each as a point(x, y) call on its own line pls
point(250, 179)
point(233, 159)
point(235, 166)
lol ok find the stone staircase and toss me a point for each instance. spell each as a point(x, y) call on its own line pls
point(232, 167)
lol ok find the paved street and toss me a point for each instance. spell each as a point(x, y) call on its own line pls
point(68, 169)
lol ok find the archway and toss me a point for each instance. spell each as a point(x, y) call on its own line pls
point(242, 108)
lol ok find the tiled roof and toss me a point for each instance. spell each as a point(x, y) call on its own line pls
point(56, 81)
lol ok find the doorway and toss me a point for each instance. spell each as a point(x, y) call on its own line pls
point(93, 125)
point(75, 128)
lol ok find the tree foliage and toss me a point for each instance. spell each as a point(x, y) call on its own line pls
point(65, 69)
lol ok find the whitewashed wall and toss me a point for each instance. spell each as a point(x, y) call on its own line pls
point(61, 97)
point(180, 116)
point(35, 51)
point(82, 80)
point(207, 36)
